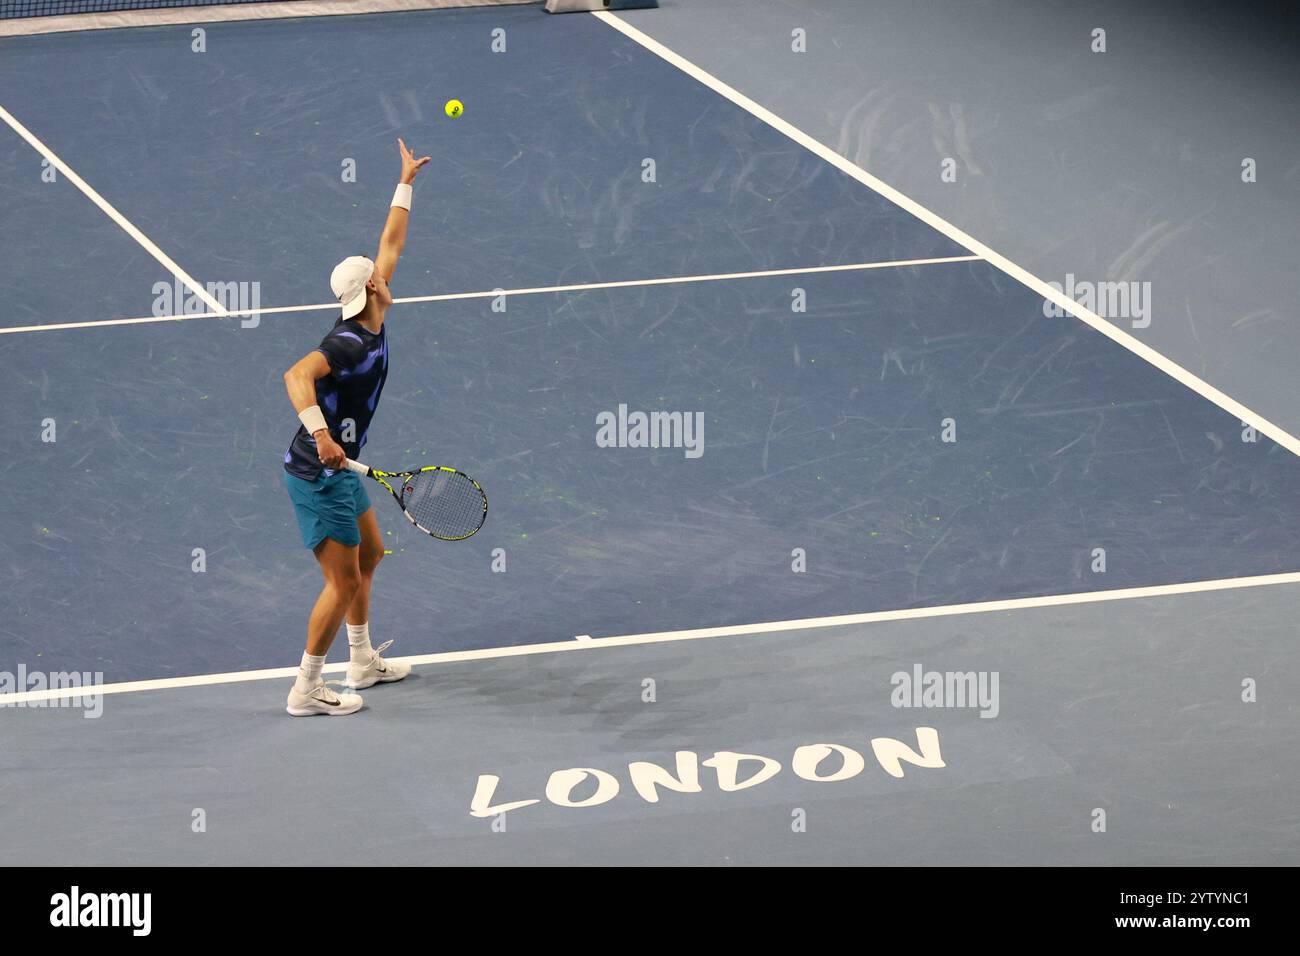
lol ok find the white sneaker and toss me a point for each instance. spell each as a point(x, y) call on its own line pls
point(321, 700)
point(375, 671)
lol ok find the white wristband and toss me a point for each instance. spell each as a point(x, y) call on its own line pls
point(402, 197)
point(312, 419)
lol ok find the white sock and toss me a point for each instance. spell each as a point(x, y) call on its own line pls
point(308, 672)
point(359, 643)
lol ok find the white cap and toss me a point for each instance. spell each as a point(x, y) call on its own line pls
point(348, 280)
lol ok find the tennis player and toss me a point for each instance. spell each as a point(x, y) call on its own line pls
point(335, 390)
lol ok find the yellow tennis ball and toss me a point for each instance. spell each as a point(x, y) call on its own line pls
point(454, 108)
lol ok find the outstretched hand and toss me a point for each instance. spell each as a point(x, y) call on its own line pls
point(410, 165)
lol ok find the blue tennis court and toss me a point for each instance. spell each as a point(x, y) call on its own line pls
point(883, 432)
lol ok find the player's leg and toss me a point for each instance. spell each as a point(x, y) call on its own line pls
point(365, 667)
point(341, 569)
point(310, 694)
point(370, 553)
point(328, 523)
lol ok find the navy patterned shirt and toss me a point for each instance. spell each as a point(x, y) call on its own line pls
point(347, 396)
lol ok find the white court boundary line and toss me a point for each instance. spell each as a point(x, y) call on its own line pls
point(449, 297)
point(107, 208)
point(1134, 345)
point(584, 642)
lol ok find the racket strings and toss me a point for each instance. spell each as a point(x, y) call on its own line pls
point(444, 504)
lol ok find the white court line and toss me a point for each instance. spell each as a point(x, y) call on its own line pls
point(1134, 345)
point(111, 212)
point(492, 293)
point(661, 637)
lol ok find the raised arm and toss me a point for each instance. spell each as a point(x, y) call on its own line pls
point(394, 235)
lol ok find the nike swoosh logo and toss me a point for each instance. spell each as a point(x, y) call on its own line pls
point(329, 703)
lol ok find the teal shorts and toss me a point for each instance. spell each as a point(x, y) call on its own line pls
point(328, 507)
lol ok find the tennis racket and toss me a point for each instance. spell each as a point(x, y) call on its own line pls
point(442, 502)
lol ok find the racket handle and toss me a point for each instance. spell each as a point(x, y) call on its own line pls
point(359, 468)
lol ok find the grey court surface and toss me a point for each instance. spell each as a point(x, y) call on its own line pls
point(1132, 707)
